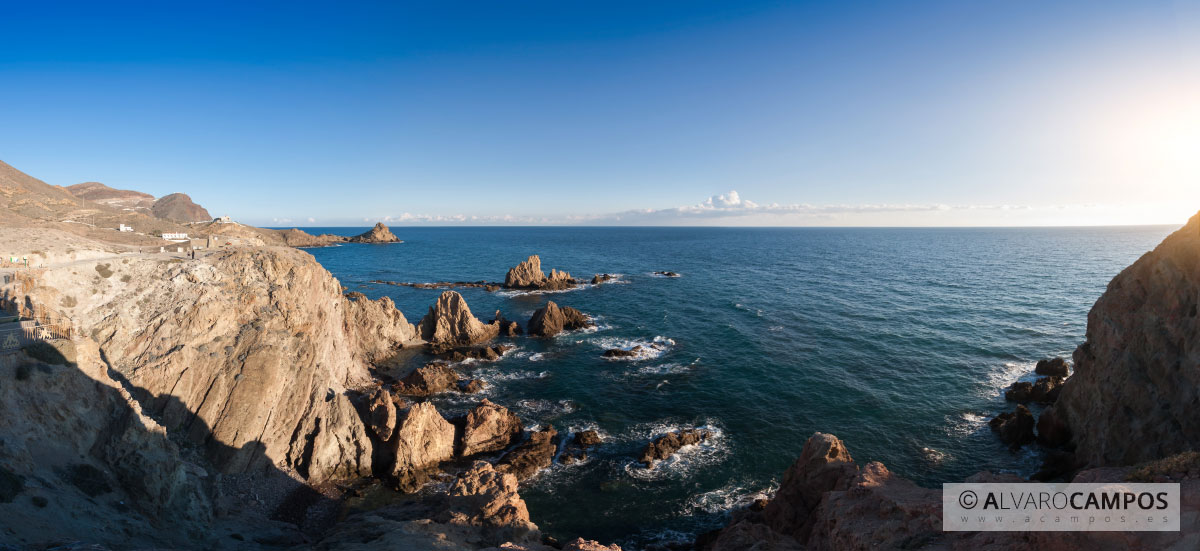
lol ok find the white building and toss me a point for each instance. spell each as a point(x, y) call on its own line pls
point(175, 236)
point(223, 220)
point(125, 228)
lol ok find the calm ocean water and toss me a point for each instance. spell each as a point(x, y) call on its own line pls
point(896, 340)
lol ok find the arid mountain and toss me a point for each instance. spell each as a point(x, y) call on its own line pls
point(178, 207)
point(122, 199)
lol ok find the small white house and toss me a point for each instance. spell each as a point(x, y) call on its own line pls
point(223, 220)
point(175, 236)
point(127, 229)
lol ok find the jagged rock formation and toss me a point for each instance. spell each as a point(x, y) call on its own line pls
point(507, 328)
point(1053, 367)
point(449, 323)
point(482, 510)
point(123, 199)
point(666, 445)
point(178, 207)
point(379, 234)
point(1015, 428)
point(488, 428)
point(551, 320)
point(1138, 373)
point(378, 328)
point(423, 440)
point(1044, 391)
point(529, 275)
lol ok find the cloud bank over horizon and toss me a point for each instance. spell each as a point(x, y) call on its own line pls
point(731, 209)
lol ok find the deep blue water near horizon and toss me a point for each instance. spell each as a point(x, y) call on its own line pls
point(898, 341)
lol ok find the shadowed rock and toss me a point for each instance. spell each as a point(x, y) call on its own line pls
point(551, 320)
point(1015, 428)
point(531, 456)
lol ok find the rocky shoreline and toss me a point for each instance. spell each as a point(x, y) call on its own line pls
point(214, 397)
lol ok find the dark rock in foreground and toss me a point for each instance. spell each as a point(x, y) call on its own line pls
point(1016, 428)
point(531, 456)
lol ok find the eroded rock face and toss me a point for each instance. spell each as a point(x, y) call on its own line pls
point(666, 445)
point(245, 352)
point(824, 466)
point(531, 456)
point(379, 234)
point(381, 414)
point(1138, 372)
point(487, 497)
point(378, 327)
point(449, 323)
point(488, 428)
point(529, 275)
point(551, 320)
point(422, 441)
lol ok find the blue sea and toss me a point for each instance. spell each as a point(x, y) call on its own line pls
point(898, 341)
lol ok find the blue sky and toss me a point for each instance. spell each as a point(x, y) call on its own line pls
point(741, 113)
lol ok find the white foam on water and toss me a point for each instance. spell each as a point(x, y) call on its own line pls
point(683, 463)
point(650, 349)
point(968, 422)
point(726, 498)
point(996, 381)
point(511, 293)
point(677, 275)
point(537, 357)
point(544, 409)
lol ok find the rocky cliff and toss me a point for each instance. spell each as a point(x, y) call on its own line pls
point(244, 351)
point(379, 234)
point(1138, 372)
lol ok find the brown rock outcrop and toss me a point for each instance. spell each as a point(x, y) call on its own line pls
point(666, 445)
point(488, 428)
point(379, 234)
point(378, 327)
point(531, 456)
point(1138, 372)
point(298, 238)
point(551, 320)
point(824, 466)
point(381, 413)
point(529, 275)
point(449, 323)
point(423, 440)
point(428, 380)
point(245, 352)
point(507, 328)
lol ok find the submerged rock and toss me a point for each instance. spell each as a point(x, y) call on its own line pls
point(485, 353)
point(622, 353)
point(666, 445)
point(603, 278)
point(488, 428)
point(667, 274)
point(531, 456)
point(587, 439)
point(449, 323)
point(551, 320)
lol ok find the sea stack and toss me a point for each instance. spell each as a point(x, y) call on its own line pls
point(529, 275)
point(551, 320)
point(449, 323)
point(379, 234)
